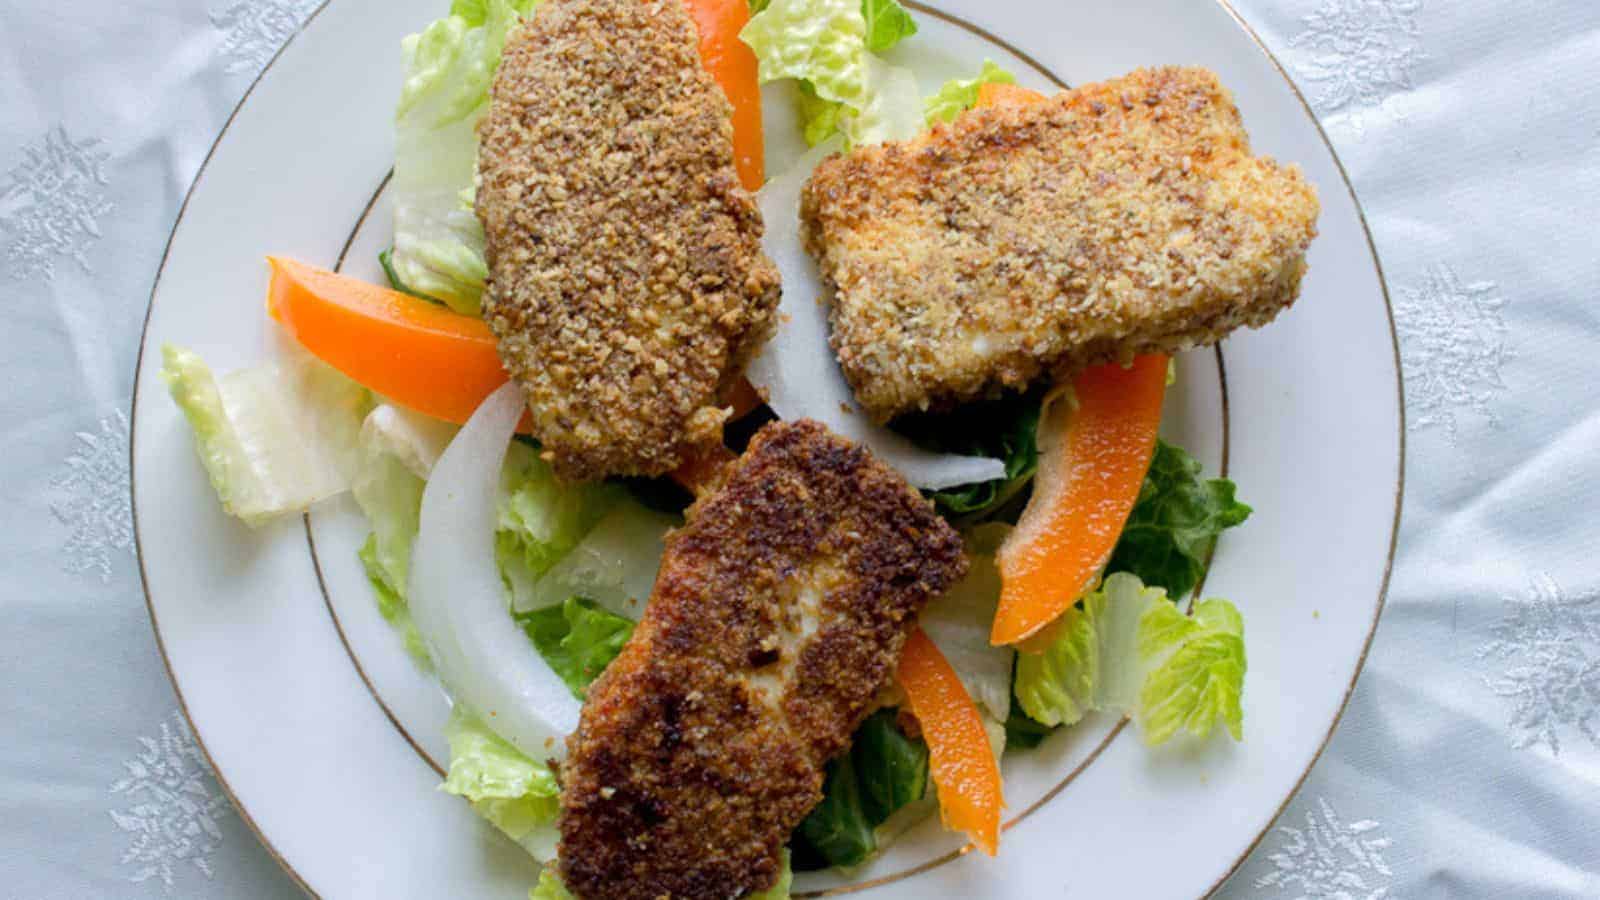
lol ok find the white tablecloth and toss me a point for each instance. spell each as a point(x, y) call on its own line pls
point(1468, 763)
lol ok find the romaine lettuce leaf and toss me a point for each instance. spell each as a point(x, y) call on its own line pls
point(397, 451)
point(577, 639)
point(275, 438)
point(1126, 648)
point(1022, 732)
point(516, 794)
point(888, 24)
point(541, 520)
point(958, 95)
point(891, 108)
point(819, 118)
point(827, 46)
point(1172, 526)
point(392, 604)
point(882, 772)
point(1003, 428)
point(823, 42)
point(1196, 668)
point(614, 564)
point(438, 242)
point(1057, 687)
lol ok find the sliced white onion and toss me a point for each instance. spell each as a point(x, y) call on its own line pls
point(459, 604)
point(958, 622)
point(797, 369)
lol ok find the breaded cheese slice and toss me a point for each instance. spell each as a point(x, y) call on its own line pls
point(778, 615)
point(1119, 218)
point(627, 287)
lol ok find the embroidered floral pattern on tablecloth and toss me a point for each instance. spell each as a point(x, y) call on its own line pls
point(51, 204)
point(1356, 53)
point(1454, 341)
point(94, 502)
point(1549, 644)
point(253, 30)
point(1329, 859)
point(174, 807)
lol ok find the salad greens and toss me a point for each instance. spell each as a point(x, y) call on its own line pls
point(396, 452)
point(518, 795)
point(541, 519)
point(1175, 521)
point(1196, 665)
point(961, 94)
point(577, 639)
point(888, 24)
point(883, 771)
point(1125, 648)
point(828, 47)
point(438, 242)
point(820, 42)
point(1002, 428)
point(274, 439)
point(1022, 732)
point(614, 565)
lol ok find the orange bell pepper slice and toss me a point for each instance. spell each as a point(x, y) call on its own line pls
point(1092, 462)
point(1093, 456)
point(960, 759)
point(416, 353)
point(733, 65)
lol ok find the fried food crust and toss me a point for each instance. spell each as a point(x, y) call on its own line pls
point(779, 613)
point(627, 286)
point(1120, 218)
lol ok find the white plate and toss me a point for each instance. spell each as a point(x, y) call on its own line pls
point(328, 739)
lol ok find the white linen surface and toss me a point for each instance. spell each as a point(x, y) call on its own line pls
point(1468, 763)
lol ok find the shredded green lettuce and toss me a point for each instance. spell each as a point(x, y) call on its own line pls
point(1175, 521)
point(449, 66)
point(275, 438)
point(577, 639)
point(958, 95)
point(1127, 648)
point(516, 794)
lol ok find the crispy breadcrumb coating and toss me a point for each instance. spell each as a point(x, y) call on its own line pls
point(1119, 218)
point(627, 286)
point(779, 613)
